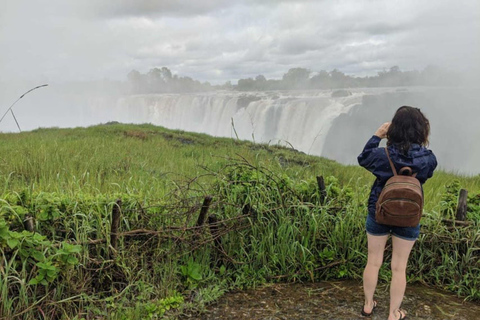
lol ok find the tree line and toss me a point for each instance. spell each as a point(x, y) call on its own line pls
point(301, 78)
point(161, 80)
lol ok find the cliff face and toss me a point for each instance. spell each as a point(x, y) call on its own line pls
point(453, 115)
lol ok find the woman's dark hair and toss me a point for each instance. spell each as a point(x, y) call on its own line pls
point(409, 125)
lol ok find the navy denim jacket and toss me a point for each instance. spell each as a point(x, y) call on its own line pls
point(374, 159)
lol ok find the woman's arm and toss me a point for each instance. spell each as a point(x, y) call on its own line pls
point(432, 164)
point(371, 152)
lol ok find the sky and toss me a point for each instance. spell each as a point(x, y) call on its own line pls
point(45, 41)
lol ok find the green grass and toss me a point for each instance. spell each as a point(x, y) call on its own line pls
point(69, 180)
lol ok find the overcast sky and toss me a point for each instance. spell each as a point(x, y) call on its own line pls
point(220, 40)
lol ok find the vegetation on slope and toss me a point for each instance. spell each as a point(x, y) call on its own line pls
point(267, 222)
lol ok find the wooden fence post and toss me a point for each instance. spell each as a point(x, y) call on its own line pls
point(28, 223)
point(213, 224)
point(203, 211)
point(462, 205)
point(322, 189)
point(116, 212)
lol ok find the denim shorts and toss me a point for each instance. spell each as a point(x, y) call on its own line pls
point(377, 229)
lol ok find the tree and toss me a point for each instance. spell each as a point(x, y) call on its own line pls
point(260, 78)
point(136, 81)
point(260, 82)
point(320, 80)
point(246, 84)
point(155, 81)
point(337, 75)
point(296, 78)
point(227, 85)
point(394, 70)
point(166, 74)
point(134, 76)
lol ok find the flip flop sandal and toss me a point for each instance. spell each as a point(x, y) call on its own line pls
point(403, 314)
point(374, 307)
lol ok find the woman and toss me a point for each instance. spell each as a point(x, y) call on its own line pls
point(407, 138)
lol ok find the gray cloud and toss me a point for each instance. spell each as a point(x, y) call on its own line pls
point(149, 8)
point(219, 40)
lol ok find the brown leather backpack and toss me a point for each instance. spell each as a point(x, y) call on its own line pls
point(400, 203)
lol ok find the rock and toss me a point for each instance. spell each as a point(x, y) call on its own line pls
point(341, 93)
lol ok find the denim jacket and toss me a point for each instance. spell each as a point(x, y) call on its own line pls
point(374, 159)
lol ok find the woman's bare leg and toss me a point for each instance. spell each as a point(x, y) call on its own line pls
point(376, 247)
point(400, 252)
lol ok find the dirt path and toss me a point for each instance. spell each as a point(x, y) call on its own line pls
point(334, 300)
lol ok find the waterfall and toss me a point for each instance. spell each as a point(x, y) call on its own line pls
point(301, 120)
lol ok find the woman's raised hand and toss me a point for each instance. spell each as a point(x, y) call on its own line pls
point(382, 131)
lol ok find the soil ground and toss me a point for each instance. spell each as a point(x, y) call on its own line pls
point(334, 300)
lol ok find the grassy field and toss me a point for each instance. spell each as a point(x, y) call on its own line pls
point(266, 222)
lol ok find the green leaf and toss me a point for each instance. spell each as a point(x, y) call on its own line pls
point(17, 235)
point(46, 266)
point(3, 231)
point(38, 237)
point(43, 216)
point(12, 243)
point(222, 269)
point(72, 260)
point(195, 274)
point(52, 267)
point(76, 249)
point(71, 248)
point(38, 255)
point(24, 253)
point(51, 274)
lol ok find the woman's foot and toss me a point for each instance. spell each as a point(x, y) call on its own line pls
point(368, 309)
point(398, 314)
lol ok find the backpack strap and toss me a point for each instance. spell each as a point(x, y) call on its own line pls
point(393, 167)
point(391, 163)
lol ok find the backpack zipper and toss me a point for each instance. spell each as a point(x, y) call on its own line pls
point(406, 183)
